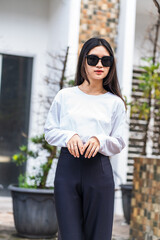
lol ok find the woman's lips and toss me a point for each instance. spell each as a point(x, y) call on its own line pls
point(99, 71)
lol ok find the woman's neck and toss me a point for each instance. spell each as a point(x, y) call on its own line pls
point(92, 88)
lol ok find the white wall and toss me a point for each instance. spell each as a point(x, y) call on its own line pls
point(58, 24)
point(24, 31)
point(64, 31)
point(146, 16)
point(34, 28)
point(73, 37)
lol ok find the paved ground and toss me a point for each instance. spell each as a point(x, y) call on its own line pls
point(8, 232)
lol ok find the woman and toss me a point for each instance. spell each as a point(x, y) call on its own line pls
point(87, 121)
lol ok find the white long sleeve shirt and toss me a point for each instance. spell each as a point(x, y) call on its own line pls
point(75, 112)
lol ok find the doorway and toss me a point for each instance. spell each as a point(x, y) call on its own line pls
point(15, 94)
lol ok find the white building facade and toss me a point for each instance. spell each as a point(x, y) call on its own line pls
point(28, 31)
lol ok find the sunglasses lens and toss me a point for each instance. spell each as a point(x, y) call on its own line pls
point(107, 61)
point(92, 60)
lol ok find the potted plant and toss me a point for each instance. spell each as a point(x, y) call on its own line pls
point(147, 106)
point(33, 201)
point(126, 190)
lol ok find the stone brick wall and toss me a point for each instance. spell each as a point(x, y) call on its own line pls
point(145, 203)
point(99, 18)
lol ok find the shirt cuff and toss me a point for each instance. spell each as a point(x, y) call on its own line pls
point(100, 137)
point(69, 135)
point(97, 138)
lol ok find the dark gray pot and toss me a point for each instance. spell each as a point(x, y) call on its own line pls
point(126, 200)
point(34, 212)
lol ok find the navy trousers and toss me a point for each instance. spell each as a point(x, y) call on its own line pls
point(84, 197)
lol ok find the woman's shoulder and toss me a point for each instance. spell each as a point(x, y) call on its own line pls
point(64, 92)
point(115, 97)
point(117, 101)
point(67, 90)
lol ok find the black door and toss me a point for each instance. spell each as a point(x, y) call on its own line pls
point(15, 92)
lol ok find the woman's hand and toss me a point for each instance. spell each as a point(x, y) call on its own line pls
point(93, 145)
point(73, 144)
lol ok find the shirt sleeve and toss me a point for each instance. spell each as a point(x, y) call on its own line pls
point(114, 143)
point(53, 134)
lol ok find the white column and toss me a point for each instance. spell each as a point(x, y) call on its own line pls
point(125, 54)
point(73, 37)
point(125, 48)
point(0, 71)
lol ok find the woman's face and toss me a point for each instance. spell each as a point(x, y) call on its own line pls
point(98, 72)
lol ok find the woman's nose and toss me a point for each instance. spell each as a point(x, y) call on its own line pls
point(99, 64)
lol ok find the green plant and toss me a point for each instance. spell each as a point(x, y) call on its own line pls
point(147, 105)
point(40, 178)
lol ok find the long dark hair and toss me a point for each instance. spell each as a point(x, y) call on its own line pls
point(110, 82)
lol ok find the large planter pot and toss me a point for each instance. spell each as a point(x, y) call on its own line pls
point(126, 200)
point(34, 212)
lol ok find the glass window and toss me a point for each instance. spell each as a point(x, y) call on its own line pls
point(15, 92)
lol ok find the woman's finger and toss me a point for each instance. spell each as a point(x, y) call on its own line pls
point(88, 150)
point(69, 148)
point(76, 149)
point(95, 151)
point(80, 146)
point(92, 151)
point(74, 145)
point(85, 146)
point(73, 150)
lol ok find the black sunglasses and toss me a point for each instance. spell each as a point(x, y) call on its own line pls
point(106, 61)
